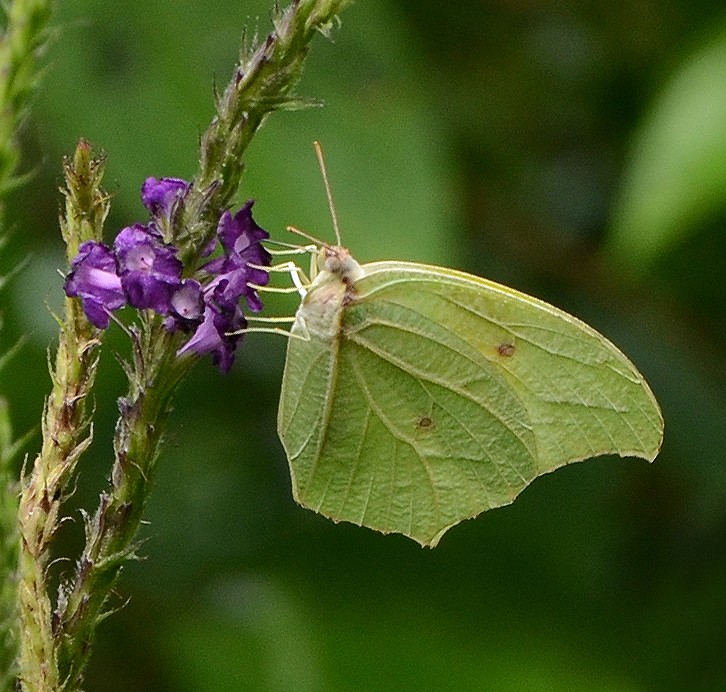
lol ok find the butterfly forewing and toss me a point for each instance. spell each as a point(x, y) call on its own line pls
point(584, 398)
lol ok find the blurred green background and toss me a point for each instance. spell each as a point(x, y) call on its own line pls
point(574, 150)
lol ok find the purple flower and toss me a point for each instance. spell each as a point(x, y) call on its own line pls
point(240, 237)
point(160, 195)
point(186, 307)
point(93, 278)
point(216, 334)
point(231, 286)
point(145, 272)
point(149, 269)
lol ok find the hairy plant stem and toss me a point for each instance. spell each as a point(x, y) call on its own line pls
point(263, 82)
point(111, 533)
point(66, 431)
point(21, 42)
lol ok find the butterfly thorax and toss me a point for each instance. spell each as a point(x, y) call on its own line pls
point(320, 312)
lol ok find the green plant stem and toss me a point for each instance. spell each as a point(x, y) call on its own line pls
point(66, 431)
point(111, 533)
point(21, 42)
point(263, 83)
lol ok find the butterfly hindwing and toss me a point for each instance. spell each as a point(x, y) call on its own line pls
point(429, 396)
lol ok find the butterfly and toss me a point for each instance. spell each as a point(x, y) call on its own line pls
point(416, 396)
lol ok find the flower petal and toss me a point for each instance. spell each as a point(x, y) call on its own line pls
point(160, 195)
point(215, 335)
point(93, 277)
point(149, 269)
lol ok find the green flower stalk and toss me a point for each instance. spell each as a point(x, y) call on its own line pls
point(263, 83)
point(21, 43)
point(168, 289)
point(66, 430)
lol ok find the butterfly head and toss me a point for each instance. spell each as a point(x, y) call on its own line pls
point(336, 261)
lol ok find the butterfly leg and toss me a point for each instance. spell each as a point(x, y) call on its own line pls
point(305, 336)
point(297, 276)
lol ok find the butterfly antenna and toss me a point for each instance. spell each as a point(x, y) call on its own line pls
point(307, 236)
point(272, 241)
point(328, 192)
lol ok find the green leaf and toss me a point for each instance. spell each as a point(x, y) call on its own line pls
point(677, 174)
point(417, 396)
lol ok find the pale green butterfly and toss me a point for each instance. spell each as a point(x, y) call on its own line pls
point(419, 396)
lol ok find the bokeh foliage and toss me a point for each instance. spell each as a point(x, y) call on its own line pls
point(572, 150)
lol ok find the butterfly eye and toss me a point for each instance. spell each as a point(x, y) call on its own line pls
point(333, 264)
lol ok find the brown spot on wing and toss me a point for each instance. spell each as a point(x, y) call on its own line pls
point(506, 349)
point(425, 423)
